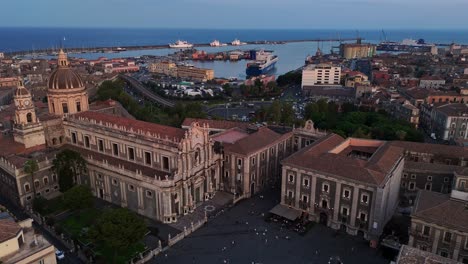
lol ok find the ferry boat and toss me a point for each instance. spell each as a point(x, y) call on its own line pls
point(407, 45)
point(237, 42)
point(216, 43)
point(179, 44)
point(262, 63)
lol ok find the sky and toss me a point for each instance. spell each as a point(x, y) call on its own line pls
point(232, 14)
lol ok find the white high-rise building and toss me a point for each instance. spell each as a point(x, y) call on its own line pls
point(321, 74)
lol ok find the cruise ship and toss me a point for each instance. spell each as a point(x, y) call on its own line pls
point(407, 45)
point(237, 42)
point(216, 43)
point(181, 45)
point(262, 62)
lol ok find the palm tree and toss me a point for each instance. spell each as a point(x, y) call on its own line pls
point(31, 167)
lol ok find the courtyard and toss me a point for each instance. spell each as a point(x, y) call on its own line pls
point(241, 235)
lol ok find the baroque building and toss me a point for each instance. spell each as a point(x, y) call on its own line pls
point(158, 171)
point(350, 184)
point(439, 223)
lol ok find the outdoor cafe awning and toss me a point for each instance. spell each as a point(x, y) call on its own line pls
point(286, 212)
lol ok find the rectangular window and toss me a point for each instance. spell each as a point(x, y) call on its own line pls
point(101, 145)
point(114, 182)
point(131, 153)
point(115, 149)
point(239, 162)
point(413, 176)
point(78, 106)
point(131, 188)
point(291, 178)
point(65, 108)
point(447, 237)
point(364, 198)
point(149, 194)
point(73, 134)
point(165, 163)
point(46, 180)
point(325, 187)
point(147, 158)
point(405, 175)
point(253, 161)
point(306, 182)
point(86, 141)
point(426, 230)
point(346, 194)
point(344, 211)
point(305, 199)
point(411, 186)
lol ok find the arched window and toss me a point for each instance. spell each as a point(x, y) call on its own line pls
point(29, 117)
point(197, 156)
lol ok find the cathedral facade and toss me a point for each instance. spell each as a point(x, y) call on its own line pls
point(158, 171)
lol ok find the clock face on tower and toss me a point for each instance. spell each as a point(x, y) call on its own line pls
point(26, 102)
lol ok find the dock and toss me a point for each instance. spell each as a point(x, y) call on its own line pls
point(149, 47)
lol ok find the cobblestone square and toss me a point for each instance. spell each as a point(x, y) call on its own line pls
point(241, 235)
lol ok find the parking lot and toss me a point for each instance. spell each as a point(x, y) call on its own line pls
point(241, 235)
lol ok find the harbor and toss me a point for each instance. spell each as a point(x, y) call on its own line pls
point(117, 49)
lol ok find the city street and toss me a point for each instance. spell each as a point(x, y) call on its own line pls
point(21, 215)
point(240, 235)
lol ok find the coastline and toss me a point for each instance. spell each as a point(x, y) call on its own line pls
point(108, 49)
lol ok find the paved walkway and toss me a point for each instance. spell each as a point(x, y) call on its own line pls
point(211, 207)
point(240, 235)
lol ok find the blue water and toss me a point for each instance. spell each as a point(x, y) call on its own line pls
point(291, 55)
point(15, 39)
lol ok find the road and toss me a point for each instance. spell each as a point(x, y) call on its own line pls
point(19, 213)
point(145, 92)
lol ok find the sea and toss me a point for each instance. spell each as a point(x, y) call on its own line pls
point(291, 55)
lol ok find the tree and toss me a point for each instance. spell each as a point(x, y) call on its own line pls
point(68, 165)
point(78, 197)
point(31, 167)
point(118, 229)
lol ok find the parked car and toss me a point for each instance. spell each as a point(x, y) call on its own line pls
point(59, 254)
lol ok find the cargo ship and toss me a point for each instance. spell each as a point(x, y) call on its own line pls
point(407, 45)
point(181, 45)
point(261, 62)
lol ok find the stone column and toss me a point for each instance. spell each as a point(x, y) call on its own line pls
point(354, 206)
point(123, 194)
point(107, 193)
point(435, 241)
point(283, 185)
point(140, 199)
point(336, 206)
point(312, 193)
point(458, 243)
point(297, 195)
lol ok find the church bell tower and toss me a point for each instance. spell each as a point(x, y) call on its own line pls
point(27, 129)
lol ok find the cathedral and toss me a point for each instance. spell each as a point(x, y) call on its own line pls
point(158, 171)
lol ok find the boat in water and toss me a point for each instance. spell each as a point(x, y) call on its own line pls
point(237, 42)
point(216, 43)
point(407, 45)
point(261, 62)
point(180, 44)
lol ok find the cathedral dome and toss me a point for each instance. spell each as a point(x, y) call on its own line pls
point(64, 77)
point(21, 91)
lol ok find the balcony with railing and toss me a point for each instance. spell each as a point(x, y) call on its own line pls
point(419, 235)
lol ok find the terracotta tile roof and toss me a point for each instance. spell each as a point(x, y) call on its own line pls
point(130, 166)
point(8, 229)
point(15, 152)
point(436, 149)
point(135, 125)
point(430, 167)
point(317, 157)
point(245, 143)
point(216, 124)
point(439, 209)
